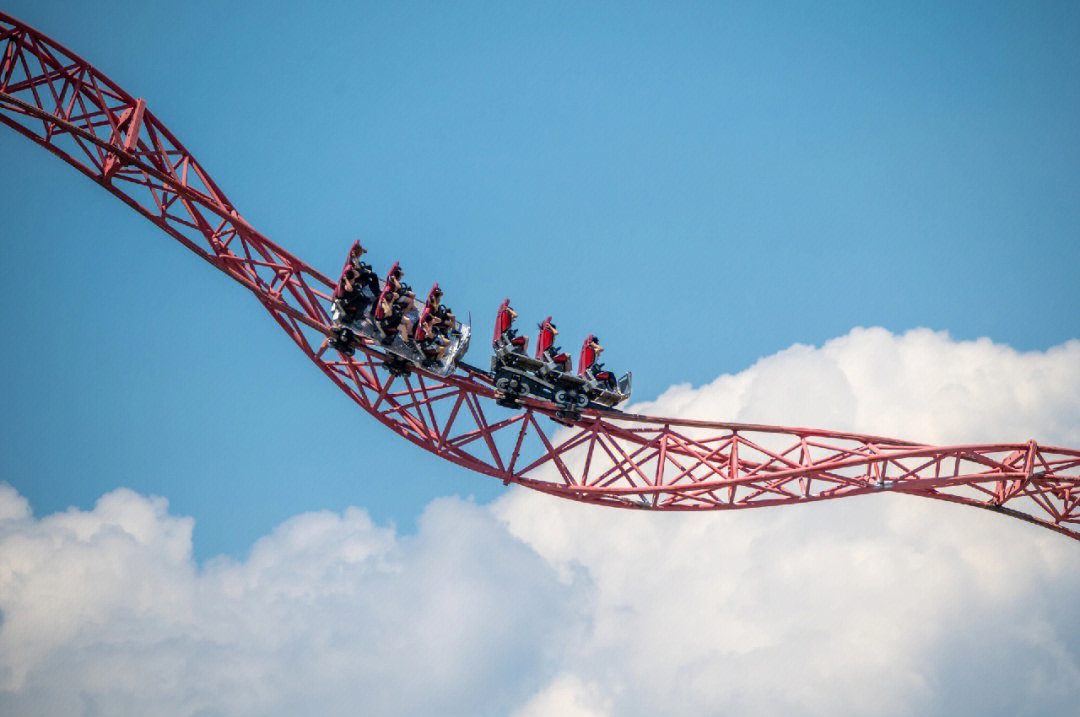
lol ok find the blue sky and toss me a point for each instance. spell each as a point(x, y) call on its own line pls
point(700, 185)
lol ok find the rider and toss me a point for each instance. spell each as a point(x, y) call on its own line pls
point(588, 366)
point(353, 259)
point(356, 275)
point(384, 313)
point(435, 324)
point(429, 342)
point(365, 275)
point(347, 285)
point(447, 325)
point(405, 305)
point(504, 331)
point(343, 292)
point(547, 351)
point(434, 297)
point(393, 277)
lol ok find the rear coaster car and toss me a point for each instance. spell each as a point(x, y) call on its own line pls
point(402, 354)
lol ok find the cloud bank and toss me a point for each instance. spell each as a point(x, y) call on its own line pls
point(531, 606)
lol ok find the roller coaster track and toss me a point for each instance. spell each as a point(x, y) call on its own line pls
point(61, 102)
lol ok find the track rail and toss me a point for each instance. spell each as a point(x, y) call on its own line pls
point(61, 102)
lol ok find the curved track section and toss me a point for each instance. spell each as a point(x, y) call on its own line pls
point(59, 101)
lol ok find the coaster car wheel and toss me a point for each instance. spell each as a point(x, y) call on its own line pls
point(398, 366)
point(511, 389)
point(341, 339)
point(566, 418)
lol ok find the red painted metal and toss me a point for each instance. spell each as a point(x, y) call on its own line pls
point(58, 100)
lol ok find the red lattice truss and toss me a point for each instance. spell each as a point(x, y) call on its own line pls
point(61, 102)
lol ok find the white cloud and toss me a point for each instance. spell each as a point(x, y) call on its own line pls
point(105, 610)
point(853, 606)
point(534, 606)
point(920, 386)
point(567, 696)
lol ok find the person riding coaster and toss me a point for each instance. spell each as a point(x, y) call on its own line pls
point(400, 320)
point(363, 275)
point(410, 316)
point(431, 335)
point(387, 314)
point(442, 317)
point(393, 277)
point(506, 337)
point(392, 306)
point(434, 297)
point(347, 285)
point(590, 368)
point(430, 344)
point(367, 280)
point(355, 290)
point(447, 326)
point(547, 352)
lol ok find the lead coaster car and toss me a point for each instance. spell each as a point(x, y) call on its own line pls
point(518, 376)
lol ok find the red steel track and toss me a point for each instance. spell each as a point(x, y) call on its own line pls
point(58, 100)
